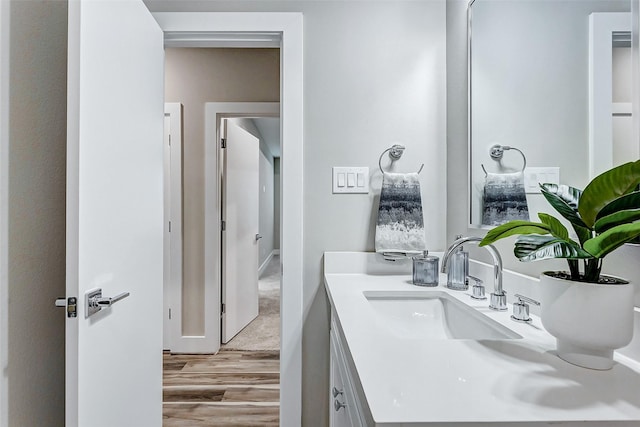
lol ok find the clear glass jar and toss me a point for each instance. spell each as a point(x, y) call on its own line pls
point(425, 270)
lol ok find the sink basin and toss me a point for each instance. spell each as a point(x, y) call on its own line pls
point(434, 316)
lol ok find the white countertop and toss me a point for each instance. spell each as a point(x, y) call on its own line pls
point(465, 381)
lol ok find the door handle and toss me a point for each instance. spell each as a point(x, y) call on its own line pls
point(94, 301)
point(258, 237)
point(108, 302)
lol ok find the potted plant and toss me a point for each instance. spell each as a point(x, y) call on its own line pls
point(590, 314)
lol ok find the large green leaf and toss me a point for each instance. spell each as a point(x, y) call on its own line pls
point(605, 188)
point(512, 228)
point(622, 203)
point(615, 219)
point(534, 248)
point(612, 239)
point(584, 234)
point(555, 226)
point(564, 199)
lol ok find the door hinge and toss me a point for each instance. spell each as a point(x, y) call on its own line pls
point(224, 225)
point(222, 309)
point(223, 143)
point(169, 226)
point(169, 140)
point(169, 314)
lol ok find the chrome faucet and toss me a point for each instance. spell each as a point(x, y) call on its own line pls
point(498, 299)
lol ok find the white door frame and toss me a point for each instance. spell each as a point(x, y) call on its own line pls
point(601, 28)
point(172, 314)
point(208, 26)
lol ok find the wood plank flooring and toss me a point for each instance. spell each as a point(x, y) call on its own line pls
point(231, 388)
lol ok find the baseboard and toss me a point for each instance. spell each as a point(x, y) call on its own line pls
point(263, 266)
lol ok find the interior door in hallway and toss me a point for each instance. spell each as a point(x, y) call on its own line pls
point(240, 183)
point(114, 215)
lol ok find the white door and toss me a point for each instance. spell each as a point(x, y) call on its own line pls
point(240, 236)
point(114, 214)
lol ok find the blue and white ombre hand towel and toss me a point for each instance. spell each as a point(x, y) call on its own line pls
point(400, 227)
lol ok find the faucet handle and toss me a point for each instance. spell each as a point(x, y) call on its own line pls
point(498, 302)
point(477, 290)
point(521, 308)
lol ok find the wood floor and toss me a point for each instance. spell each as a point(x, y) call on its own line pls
point(231, 388)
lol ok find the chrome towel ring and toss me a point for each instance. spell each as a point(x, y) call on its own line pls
point(497, 151)
point(395, 152)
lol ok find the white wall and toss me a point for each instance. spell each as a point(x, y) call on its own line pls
point(34, 237)
point(193, 77)
point(374, 74)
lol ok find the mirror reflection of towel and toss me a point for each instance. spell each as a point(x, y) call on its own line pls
point(504, 198)
point(400, 227)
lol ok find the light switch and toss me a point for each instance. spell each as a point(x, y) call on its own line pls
point(350, 180)
point(540, 175)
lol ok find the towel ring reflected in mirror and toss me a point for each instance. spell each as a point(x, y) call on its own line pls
point(395, 152)
point(497, 151)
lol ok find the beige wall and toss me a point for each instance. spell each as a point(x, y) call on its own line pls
point(36, 215)
point(193, 77)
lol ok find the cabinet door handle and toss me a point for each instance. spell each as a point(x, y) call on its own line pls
point(337, 405)
point(336, 392)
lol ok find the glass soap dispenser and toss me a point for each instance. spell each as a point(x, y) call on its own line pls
point(425, 270)
point(458, 269)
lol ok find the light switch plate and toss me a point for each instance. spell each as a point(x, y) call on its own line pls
point(350, 180)
point(542, 175)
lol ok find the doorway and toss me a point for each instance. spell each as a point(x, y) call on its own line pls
point(216, 387)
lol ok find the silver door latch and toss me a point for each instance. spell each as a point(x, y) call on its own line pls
point(70, 303)
point(94, 301)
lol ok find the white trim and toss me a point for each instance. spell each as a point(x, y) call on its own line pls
point(4, 208)
point(290, 25)
point(266, 262)
point(172, 329)
point(601, 28)
point(223, 39)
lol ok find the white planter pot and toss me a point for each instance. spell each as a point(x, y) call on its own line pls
point(589, 320)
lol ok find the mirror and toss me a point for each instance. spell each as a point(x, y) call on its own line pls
point(552, 79)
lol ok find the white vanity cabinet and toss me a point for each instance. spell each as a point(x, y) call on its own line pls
point(345, 409)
